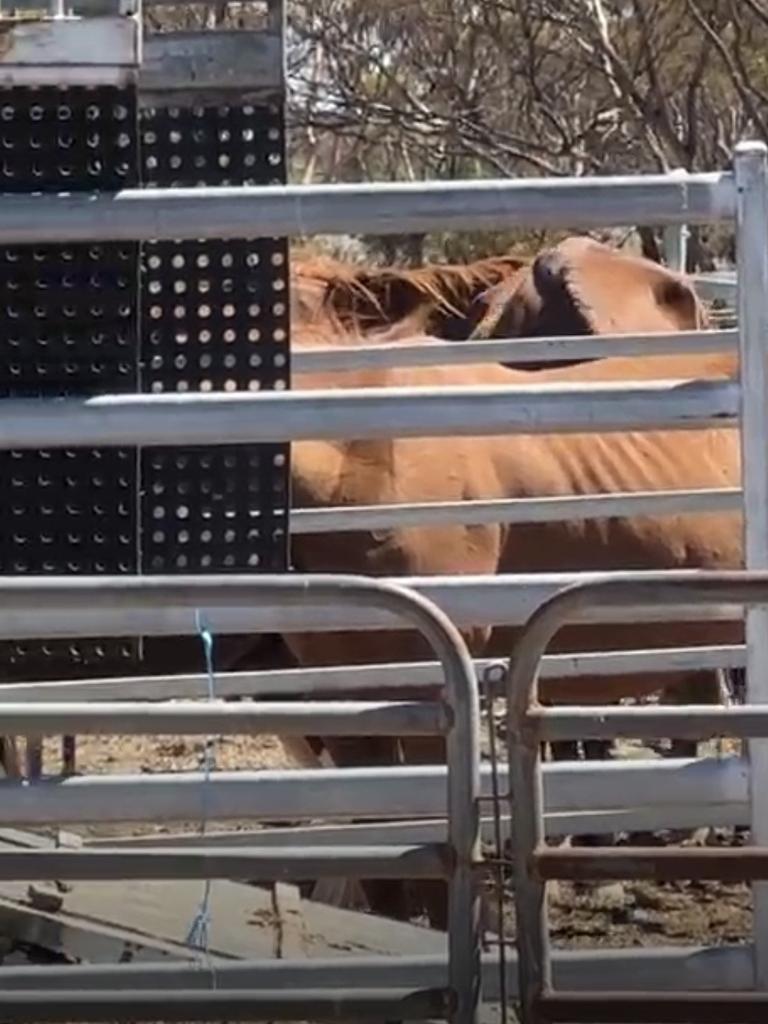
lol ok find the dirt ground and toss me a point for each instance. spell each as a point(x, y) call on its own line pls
point(118, 755)
point(624, 914)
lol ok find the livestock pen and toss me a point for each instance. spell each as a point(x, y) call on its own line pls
point(155, 403)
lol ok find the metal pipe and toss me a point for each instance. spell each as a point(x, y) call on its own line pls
point(513, 510)
point(524, 741)
point(690, 722)
point(655, 786)
point(435, 352)
point(676, 236)
point(65, 606)
point(654, 968)
point(718, 285)
point(280, 718)
point(751, 172)
point(327, 1004)
point(150, 420)
point(382, 208)
point(401, 678)
point(655, 864)
point(640, 1008)
point(253, 864)
point(648, 818)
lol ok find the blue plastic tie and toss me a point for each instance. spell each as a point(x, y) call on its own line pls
point(199, 931)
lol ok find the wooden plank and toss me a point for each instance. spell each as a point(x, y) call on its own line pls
point(105, 922)
point(243, 919)
point(79, 938)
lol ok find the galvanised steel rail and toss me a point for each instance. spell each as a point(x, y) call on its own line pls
point(529, 725)
point(435, 352)
point(403, 678)
point(245, 418)
point(62, 606)
point(382, 208)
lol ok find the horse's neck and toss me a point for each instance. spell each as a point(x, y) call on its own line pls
point(652, 367)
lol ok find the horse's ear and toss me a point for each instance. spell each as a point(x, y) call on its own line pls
point(677, 295)
point(493, 313)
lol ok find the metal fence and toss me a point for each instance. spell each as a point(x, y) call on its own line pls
point(84, 799)
point(63, 607)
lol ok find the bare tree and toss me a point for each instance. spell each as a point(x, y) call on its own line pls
point(469, 88)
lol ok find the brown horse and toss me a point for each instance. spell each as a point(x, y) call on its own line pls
point(596, 280)
point(581, 287)
point(358, 472)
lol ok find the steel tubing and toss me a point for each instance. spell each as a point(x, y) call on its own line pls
point(254, 864)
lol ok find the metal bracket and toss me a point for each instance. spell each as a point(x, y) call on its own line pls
point(69, 51)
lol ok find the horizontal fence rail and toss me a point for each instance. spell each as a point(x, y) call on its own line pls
point(649, 817)
point(243, 418)
point(341, 718)
point(404, 792)
point(513, 510)
point(253, 864)
point(63, 606)
point(50, 1007)
point(659, 968)
point(650, 723)
point(720, 285)
point(661, 864)
point(382, 208)
point(353, 680)
point(512, 350)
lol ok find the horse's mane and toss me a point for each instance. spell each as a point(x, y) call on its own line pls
point(331, 331)
point(366, 296)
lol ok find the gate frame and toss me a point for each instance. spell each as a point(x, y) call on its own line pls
point(461, 727)
point(530, 724)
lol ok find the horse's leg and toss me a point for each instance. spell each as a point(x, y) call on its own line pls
point(10, 758)
point(597, 750)
point(430, 897)
point(388, 897)
point(704, 687)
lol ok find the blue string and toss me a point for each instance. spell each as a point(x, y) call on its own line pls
point(199, 931)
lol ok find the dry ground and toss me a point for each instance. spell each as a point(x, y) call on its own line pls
point(636, 914)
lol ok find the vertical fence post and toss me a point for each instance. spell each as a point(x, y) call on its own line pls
point(751, 170)
point(676, 236)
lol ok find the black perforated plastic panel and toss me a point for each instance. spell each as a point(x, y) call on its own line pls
point(76, 136)
point(216, 316)
point(69, 327)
